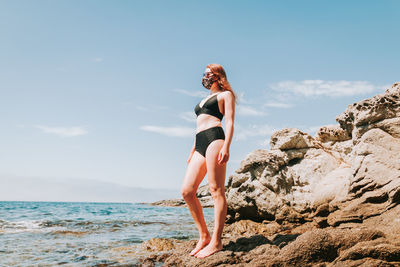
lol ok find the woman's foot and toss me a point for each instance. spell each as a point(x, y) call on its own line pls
point(201, 244)
point(208, 250)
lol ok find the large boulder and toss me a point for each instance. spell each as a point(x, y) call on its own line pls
point(287, 180)
point(347, 173)
point(374, 185)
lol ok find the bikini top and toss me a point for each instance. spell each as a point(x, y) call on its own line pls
point(209, 107)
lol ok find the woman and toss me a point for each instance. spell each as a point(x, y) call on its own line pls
point(209, 154)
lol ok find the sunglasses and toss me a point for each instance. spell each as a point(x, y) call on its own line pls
point(207, 74)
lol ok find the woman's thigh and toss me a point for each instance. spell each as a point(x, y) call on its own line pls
point(216, 172)
point(195, 172)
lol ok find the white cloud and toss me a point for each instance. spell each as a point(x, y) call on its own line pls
point(142, 108)
point(241, 99)
point(265, 142)
point(327, 88)
point(170, 131)
point(151, 108)
point(98, 59)
point(188, 116)
point(249, 111)
point(278, 105)
point(200, 94)
point(243, 133)
point(63, 131)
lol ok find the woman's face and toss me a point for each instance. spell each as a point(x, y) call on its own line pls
point(207, 79)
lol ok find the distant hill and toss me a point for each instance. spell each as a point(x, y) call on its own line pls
point(17, 188)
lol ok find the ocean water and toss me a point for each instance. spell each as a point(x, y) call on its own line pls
point(86, 234)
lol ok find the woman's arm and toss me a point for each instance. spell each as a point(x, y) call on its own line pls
point(194, 146)
point(229, 106)
point(192, 151)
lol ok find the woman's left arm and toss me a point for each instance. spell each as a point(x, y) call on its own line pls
point(229, 106)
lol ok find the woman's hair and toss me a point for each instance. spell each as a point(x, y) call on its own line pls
point(223, 83)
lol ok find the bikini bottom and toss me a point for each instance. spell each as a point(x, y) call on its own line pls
point(205, 137)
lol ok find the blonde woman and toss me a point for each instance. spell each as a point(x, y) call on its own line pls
point(210, 154)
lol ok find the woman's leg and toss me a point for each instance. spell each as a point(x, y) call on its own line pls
point(195, 172)
point(216, 180)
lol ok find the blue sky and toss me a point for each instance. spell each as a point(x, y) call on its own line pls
point(105, 90)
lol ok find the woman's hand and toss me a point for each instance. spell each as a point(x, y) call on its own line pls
point(223, 155)
point(190, 157)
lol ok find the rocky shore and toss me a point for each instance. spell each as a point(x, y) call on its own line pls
point(326, 200)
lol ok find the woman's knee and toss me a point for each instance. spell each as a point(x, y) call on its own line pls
point(216, 191)
point(188, 193)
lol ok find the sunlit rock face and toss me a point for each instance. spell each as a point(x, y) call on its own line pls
point(346, 173)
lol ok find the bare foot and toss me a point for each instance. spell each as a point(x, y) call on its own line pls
point(208, 250)
point(201, 244)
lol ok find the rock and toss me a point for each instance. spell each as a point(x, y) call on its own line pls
point(364, 115)
point(275, 180)
point(344, 148)
point(321, 245)
point(377, 250)
point(330, 201)
point(203, 191)
point(332, 187)
point(160, 244)
point(247, 243)
point(291, 138)
point(168, 203)
point(273, 159)
point(374, 186)
point(388, 222)
point(246, 228)
point(332, 133)
point(317, 246)
point(356, 179)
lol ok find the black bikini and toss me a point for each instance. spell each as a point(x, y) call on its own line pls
point(206, 137)
point(209, 107)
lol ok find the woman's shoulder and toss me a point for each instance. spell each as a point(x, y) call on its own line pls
point(227, 95)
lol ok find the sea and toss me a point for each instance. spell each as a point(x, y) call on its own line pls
point(87, 234)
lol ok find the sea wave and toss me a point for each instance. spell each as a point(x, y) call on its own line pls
point(82, 234)
point(20, 226)
point(63, 224)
